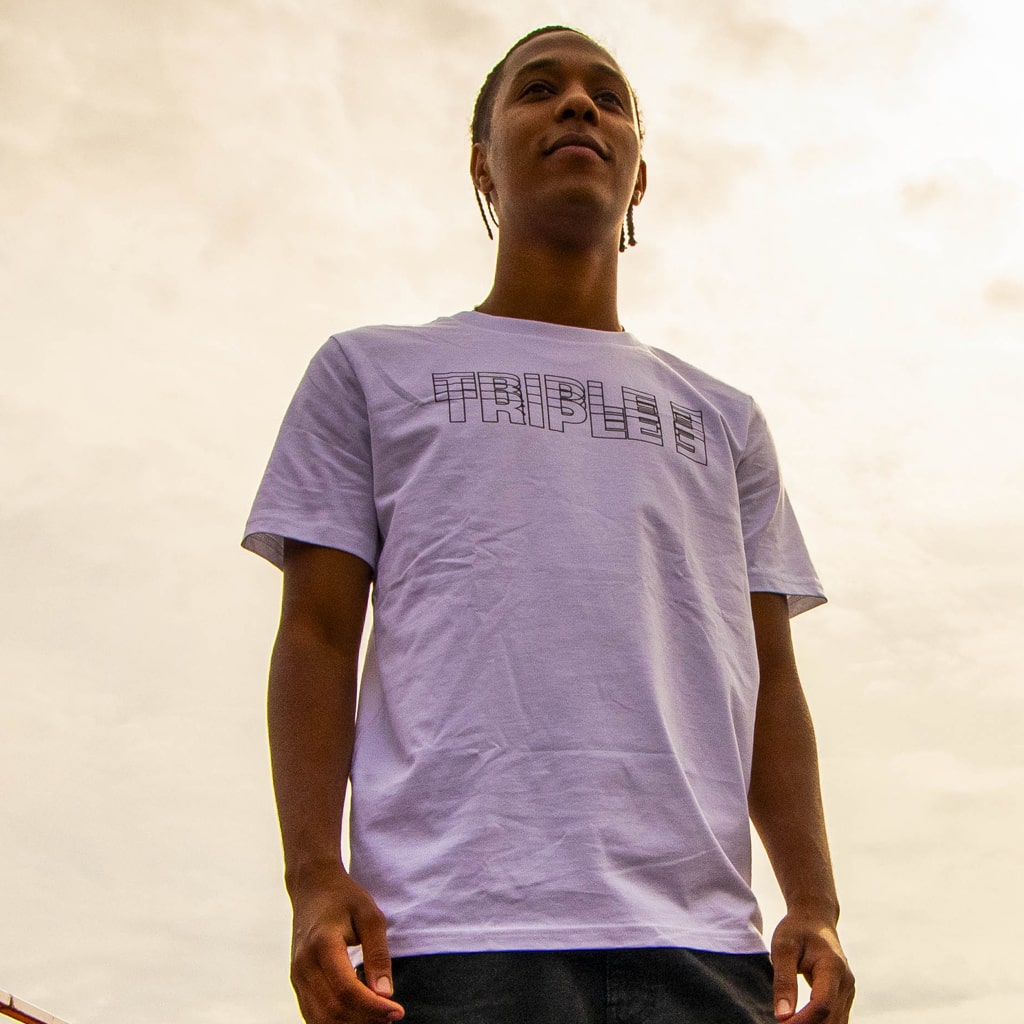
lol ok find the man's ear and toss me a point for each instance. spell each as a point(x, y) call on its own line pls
point(478, 168)
point(641, 184)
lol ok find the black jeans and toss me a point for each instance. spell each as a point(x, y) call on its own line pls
point(595, 986)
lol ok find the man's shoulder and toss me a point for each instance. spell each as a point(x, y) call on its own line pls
point(717, 391)
point(369, 336)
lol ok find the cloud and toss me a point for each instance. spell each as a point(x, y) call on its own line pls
point(697, 178)
point(880, 40)
point(963, 214)
point(747, 35)
point(1005, 294)
point(449, 21)
point(946, 771)
point(918, 197)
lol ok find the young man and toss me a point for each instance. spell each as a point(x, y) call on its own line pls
point(583, 565)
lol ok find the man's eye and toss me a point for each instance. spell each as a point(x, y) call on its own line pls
point(612, 97)
point(536, 87)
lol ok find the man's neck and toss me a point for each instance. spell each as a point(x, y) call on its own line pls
point(574, 289)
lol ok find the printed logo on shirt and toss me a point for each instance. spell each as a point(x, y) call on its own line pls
point(564, 405)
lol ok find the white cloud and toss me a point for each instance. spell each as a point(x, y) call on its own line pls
point(1005, 294)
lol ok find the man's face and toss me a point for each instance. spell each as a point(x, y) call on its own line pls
point(556, 86)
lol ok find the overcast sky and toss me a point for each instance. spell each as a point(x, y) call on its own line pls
point(194, 195)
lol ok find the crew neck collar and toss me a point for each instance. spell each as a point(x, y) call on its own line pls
point(541, 328)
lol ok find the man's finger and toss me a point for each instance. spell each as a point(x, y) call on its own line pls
point(376, 958)
point(824, 994)
point(347, 994)
point(785, 956)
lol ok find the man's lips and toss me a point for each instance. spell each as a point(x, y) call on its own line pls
point(576, 139)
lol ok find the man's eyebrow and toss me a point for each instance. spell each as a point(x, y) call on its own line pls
point(550, 64)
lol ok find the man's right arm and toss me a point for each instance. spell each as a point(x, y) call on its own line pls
point(311, 718)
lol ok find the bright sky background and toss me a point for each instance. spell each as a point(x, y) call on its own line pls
point(194, 195)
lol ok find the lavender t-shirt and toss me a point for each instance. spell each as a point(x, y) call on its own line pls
point(556, 713)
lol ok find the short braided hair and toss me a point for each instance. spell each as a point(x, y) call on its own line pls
point(483, 111)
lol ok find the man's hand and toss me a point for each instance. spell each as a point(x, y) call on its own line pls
point(809, 947)
point(329, 916)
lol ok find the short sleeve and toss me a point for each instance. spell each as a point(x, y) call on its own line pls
point(318, 485)
point(777, 557)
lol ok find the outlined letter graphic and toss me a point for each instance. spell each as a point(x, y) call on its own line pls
point(455, 388)
point(605, 420)
point(566, 401)
point(688, 428)
point(642, 420)
point(501, 394)
point(550, 401)
point(534, 399)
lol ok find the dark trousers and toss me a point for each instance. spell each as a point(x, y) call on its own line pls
point(596, 986)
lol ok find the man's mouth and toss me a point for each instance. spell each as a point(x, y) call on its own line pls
point(577, 141)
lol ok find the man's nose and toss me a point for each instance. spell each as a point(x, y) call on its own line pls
point(576, 102)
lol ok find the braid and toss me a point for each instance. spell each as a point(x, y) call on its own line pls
point(622, 231)
point(476, 192)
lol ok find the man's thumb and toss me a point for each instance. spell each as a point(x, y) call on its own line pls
point(784, 961)
point(376, 958)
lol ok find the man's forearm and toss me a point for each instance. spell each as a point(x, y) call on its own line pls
point(310, 713)
point(785, 802)
point(311, 701)
point(785, 792)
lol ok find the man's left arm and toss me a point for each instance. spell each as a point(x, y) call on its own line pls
point(786, 809)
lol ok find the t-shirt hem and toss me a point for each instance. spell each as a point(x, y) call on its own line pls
point(802, 594)
point(266, 539)
point(483, 940)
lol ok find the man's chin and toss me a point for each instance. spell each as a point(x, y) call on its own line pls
point(579, 216)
